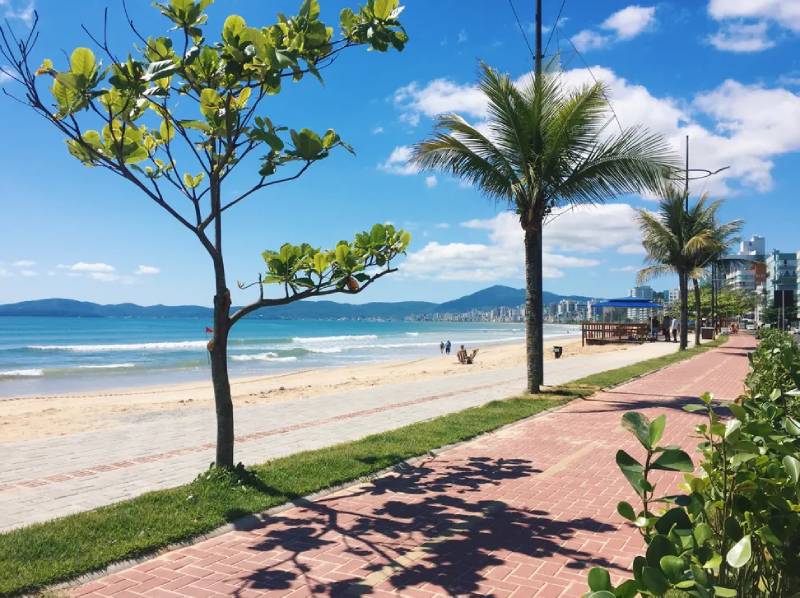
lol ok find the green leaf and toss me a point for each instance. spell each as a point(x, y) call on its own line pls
point(600, 594)
point(627, 589)
point(673, 459)
point(792, 426)
point(702, 533)
point(732, 426)
point(792, 467)
point(626, 510)
point(740, 553)
point(232, 28)
point(383, 8)
point(82, 62)
point(672, 566)
point(599, 579)
point(724, 592)
point(738, 411)
point(656, 429)
point(166, 130)
point(655, 581)
point(638, 424)
point(310, 9)
point(632, 470)
point(692, 408)
point(659, 547)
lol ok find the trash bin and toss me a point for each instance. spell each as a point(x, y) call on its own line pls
point(707, 333)
point(557, 350)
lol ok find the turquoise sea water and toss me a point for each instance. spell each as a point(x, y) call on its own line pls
point(52, 355)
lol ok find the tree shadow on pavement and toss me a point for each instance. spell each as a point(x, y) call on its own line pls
point(427, 525)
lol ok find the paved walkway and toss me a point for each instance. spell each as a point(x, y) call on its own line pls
point(43, 479)
point(522, 512)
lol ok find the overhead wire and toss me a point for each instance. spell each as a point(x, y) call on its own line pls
point(522, 29)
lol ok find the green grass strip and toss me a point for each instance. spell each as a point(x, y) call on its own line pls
point(43, 554)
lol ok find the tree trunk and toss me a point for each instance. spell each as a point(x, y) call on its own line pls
point(697, 312)
point(683, 279)
point(218, 349)
point(534, 319)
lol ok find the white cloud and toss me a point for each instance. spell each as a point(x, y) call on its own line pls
point(17, 9)
point(145, 270)
point(625, 269)
point(377, 130)
point(742, 37)
point(785, 13)
point(431, 181)
point(437, 97)
point(23, 263)
point(462, 36)
point(791, 78)
point(631, 249)
point(4, 76)
point(623, 25)
point(89, 267)
point(28, 273)
point(5, 273)
point(587, 40)
point(727, 125)
point(585, 230)
point(630, 21)
point(398, 162)
point(442, 225)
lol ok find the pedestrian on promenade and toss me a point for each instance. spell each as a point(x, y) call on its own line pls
point(447, 348)
point(665, 327)
point(441, 347)
point(654, 328)
point(675, 329)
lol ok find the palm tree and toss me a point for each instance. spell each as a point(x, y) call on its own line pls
point(722, 237)
point(543, 147)
point(683, 241)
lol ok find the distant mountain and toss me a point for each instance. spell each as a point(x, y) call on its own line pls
point(490, 298)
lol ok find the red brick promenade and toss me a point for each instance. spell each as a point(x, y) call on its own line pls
point(523, 512)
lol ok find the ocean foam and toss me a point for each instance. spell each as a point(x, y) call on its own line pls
point(31, 373)
point(268, 356)
point(324, 339)
point(162, 346)
point(107, 366)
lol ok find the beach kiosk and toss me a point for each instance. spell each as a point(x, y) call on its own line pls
point(624, 320)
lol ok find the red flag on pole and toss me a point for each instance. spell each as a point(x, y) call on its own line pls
point(209, 330)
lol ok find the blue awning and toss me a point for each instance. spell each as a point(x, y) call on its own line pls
point(629, 303)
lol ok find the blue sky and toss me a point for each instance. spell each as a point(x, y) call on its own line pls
point(727, 73)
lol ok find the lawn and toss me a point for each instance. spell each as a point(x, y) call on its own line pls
point(62, 549)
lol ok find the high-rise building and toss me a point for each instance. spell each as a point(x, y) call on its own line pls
point(641, 292)
point(674, 295)
point(781, 284)
point(749, 272)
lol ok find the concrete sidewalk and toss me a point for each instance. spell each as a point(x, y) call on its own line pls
point(522, 512)
point(43, 479)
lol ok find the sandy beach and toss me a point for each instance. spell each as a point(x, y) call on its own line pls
point(47, 416)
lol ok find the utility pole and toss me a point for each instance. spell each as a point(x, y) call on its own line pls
point(538, 58)
point(686, 181)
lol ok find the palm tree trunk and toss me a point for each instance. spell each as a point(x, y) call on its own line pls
point(533, 307)
point(697, 312)
point(683, 279)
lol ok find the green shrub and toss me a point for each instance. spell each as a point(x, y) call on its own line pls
point(736, 529)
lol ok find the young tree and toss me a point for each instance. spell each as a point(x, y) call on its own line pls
point(189, 99)
point(543, 147)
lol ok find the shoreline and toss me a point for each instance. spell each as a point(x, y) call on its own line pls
point(46, 416)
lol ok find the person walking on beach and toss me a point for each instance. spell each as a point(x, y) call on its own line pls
point(675, 326)
point(447, 348)
point(441, 347)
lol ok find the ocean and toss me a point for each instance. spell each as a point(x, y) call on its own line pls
point(40, 355)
